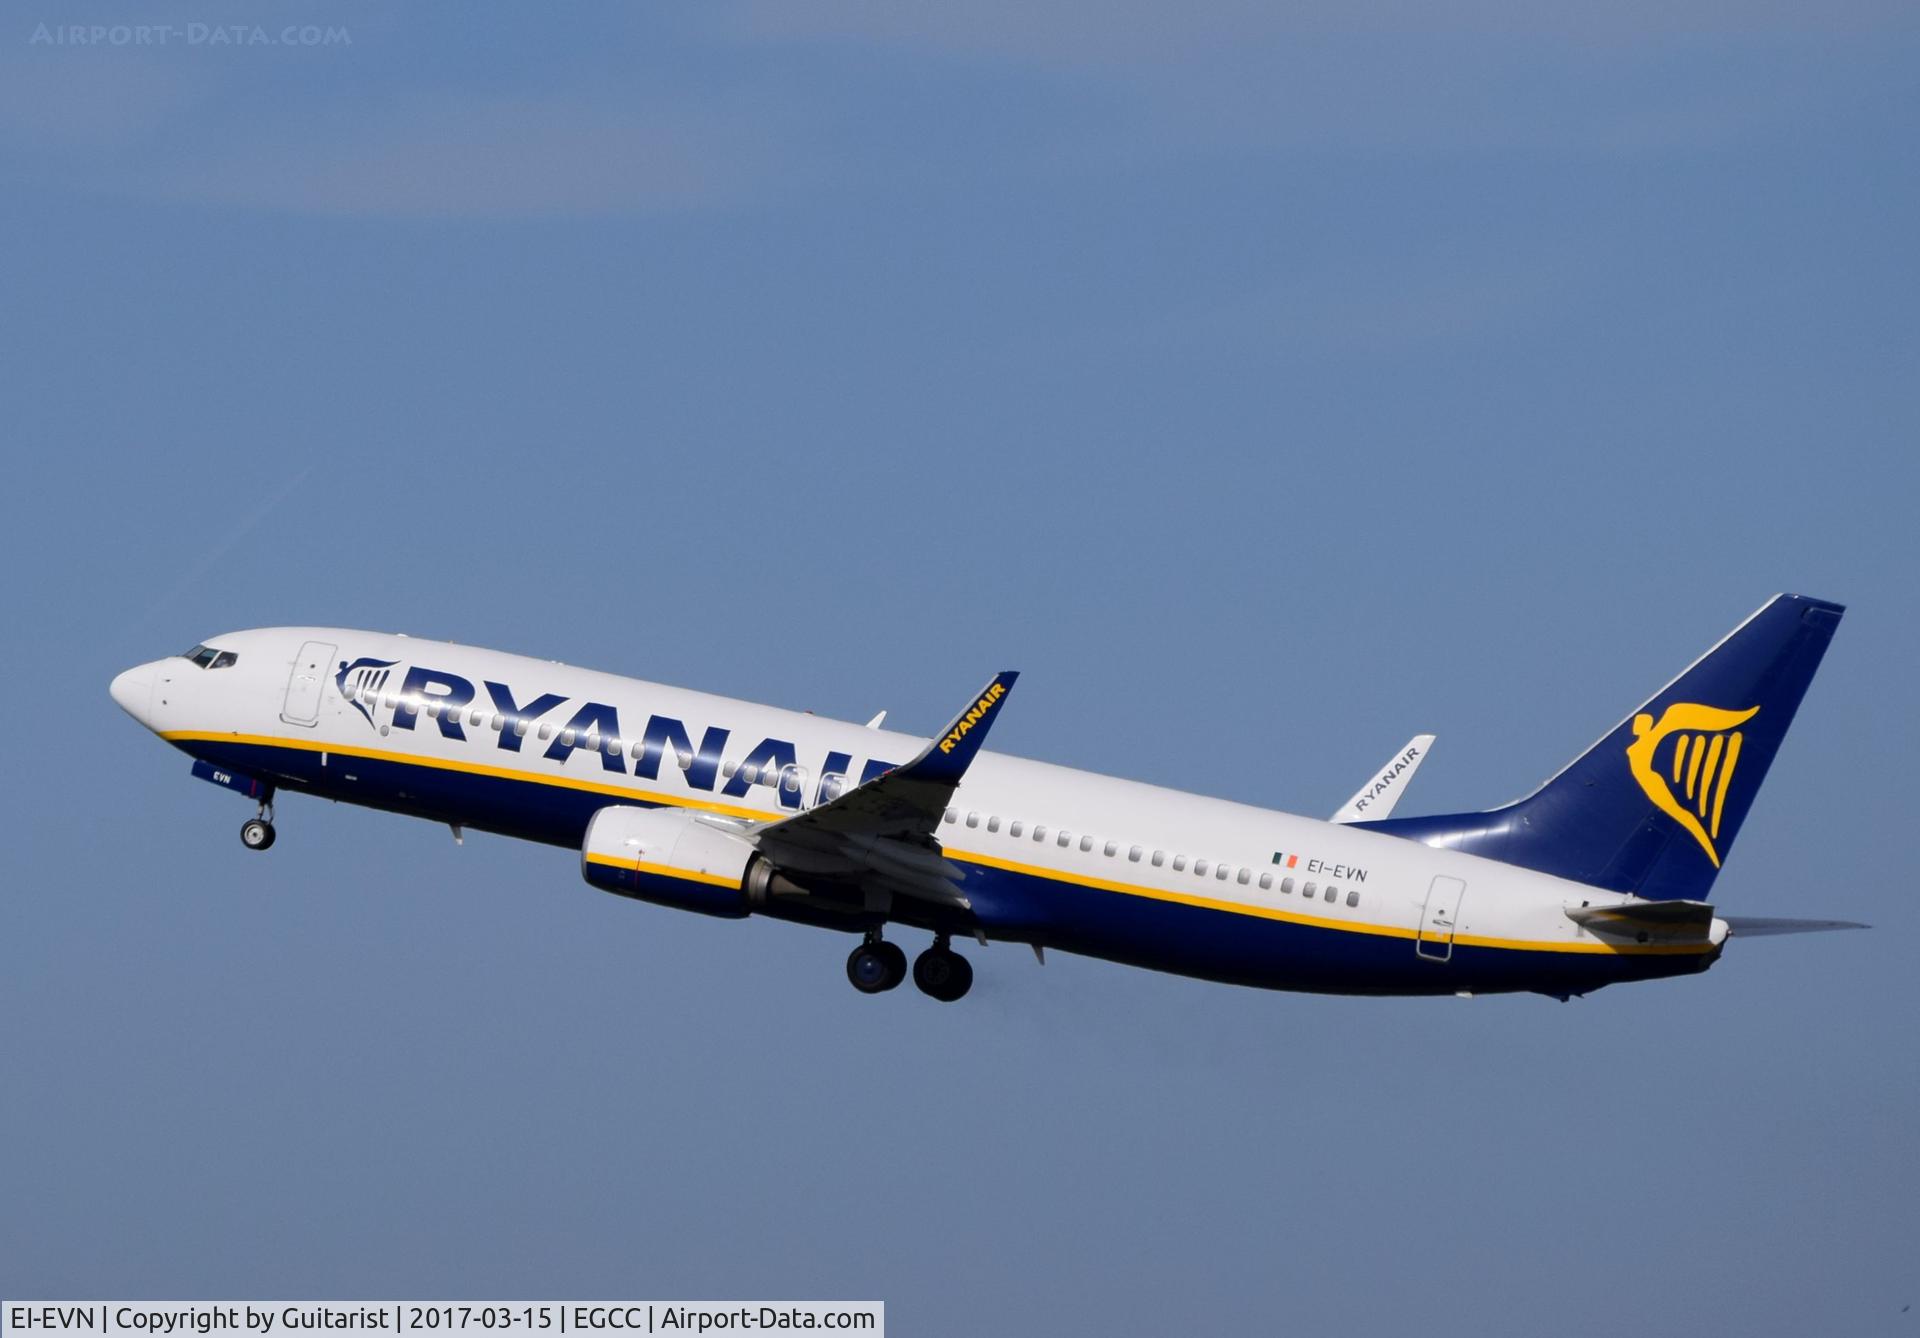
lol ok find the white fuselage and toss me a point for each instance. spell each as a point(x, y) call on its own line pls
point(359, 733)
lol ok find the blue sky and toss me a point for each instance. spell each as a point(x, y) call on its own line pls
point(1266, 387)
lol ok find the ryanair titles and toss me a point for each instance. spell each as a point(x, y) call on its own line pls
point(1387, 779)
point(988, 700)
point(454, 704)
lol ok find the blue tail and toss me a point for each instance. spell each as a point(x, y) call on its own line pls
point(1654, 806)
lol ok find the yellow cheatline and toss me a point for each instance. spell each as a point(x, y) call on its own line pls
point(986, 861)
point(689, 875)
point(1315, 921)
point(662, 870)
point(472, 769)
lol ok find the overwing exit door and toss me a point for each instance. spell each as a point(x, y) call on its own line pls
point(304, 684)
point(1439, 917)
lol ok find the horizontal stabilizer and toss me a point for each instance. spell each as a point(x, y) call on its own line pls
point(1627, 916)
point(1375, 799)
point(1758, 926)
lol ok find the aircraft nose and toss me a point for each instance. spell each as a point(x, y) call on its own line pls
point(133, 690)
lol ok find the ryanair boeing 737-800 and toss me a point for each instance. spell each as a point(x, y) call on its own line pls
point(708, 804)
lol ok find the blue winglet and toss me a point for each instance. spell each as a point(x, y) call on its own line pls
point(946, 759)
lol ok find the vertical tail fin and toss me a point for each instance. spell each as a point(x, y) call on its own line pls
point(1654, 806)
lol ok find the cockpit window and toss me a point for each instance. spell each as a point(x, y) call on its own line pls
point(209, 658)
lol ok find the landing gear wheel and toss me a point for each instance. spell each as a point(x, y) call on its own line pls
point(943, 974)
point(876, 966)
point(257, 834)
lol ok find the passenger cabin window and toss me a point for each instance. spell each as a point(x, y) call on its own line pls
point(1039, 832)
point(993, 824)
point(1332, 892)
point(1134, 854)
point(1014, 831)
point(1286, 886)
point(973, 819)
point(1242, 877)
point(950, 817)
point(1159, 858)
point(1308, 890)
point(1266, 882)
point(1179, 863)
point(1200, 868)
point(1113, 848)
point(1066, 839)
point(1353, 898)
point(1086, 843)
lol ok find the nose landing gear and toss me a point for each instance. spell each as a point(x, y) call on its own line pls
point(257, 833)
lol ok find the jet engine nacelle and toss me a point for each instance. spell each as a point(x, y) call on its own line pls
point(668, 856)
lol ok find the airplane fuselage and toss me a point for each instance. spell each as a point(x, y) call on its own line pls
point(1048, 856)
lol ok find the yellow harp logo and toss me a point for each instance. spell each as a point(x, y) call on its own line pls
point(1706, 749)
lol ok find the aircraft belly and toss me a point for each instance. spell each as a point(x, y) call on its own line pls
point(528, 810)
point(1137, 930)
point(1225, 946)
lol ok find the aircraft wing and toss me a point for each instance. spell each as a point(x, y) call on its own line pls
point(882, 833)
point(1375, 799)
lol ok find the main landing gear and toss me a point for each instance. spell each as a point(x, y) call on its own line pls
point(876, 965)
point(257, 833)
point(940, 973)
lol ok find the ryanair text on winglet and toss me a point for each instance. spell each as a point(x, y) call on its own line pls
point(987, 702)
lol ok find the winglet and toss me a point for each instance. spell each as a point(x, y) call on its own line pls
point(946, 759)
point(1375, 799)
